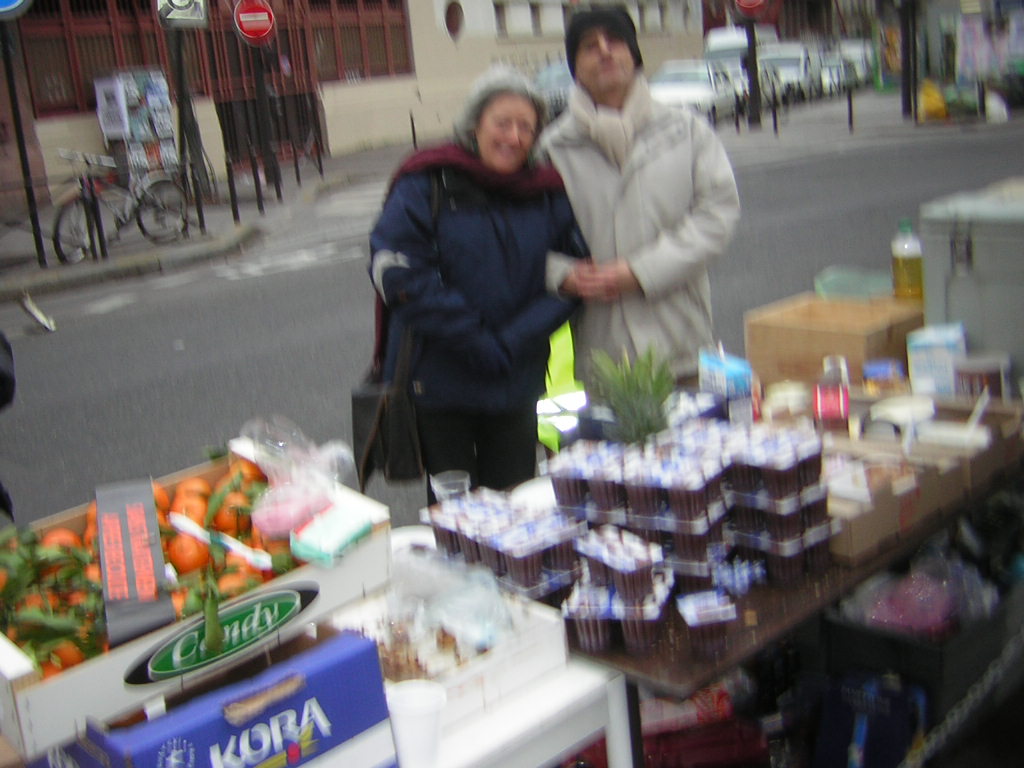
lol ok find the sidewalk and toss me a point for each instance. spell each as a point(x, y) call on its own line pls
point(804, 130)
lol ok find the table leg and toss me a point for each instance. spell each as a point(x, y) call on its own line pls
point(617, 733)
point(636, 734)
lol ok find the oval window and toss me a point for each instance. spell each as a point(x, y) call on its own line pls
point(453, 18)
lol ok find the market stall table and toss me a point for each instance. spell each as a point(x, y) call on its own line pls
point(541, 724)
point(765, 614)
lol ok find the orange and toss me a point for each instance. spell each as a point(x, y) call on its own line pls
point(178, 599)
point(161, 498)
point(196, 485)
point(60, 538)
point(233, 515)
point(49, 669)
point(93, 573)
point(250, 470)
point(239, 563)
point(75, 597)
point(89, 536)
point(186, 554)
point(41, 600)
point(68, 654)
point(3, 578)
point(191, 506)
point(234, 584)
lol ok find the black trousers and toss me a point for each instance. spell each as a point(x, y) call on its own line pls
point(498, 450)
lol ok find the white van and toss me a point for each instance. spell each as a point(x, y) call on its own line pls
point(725, 47)
point(726, 42)
point(797, 70)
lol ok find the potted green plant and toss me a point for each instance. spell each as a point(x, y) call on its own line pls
point(635, 392)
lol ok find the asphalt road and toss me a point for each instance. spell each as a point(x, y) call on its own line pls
point(143, 374)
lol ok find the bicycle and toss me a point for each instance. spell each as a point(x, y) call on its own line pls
point(153, 200)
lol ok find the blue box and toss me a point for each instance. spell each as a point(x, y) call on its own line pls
point(328, 698)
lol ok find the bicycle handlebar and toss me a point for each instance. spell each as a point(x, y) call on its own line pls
point(71, 155)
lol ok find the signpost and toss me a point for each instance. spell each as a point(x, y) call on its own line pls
point(751, 11)
point(10, 10)
point(254, 20)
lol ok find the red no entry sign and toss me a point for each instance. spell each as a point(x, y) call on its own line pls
point(751, 8)
point(254, 20)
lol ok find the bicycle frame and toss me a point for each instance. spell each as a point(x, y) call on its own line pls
point(123, 202)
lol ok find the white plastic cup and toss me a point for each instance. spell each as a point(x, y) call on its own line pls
point(450, 483)
point(415, 707)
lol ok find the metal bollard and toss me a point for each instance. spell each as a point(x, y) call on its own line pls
point(98, 237)
point(256, 180)
point(232, 191)
point(197, 196)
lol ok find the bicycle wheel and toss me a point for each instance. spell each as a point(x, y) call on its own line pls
point(162, 211)
point(71, 232)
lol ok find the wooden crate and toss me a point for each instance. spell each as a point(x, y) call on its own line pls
point(788, 339)
point(37, 714)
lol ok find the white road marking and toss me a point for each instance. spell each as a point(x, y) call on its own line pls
point(110, 304)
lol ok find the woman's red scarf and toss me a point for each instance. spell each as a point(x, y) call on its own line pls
point(526, 183)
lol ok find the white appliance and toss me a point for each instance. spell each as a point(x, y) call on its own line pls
point(974, 266)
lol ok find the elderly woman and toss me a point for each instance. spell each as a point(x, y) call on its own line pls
point(458, 256)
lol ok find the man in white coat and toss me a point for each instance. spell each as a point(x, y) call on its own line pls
point(655, 197)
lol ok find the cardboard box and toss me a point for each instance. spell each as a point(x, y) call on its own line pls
point(867, 527)
point(327, 700)
point(938, 485)
point(980, 466)
point(788, 339)
point(536, 646)
point(945, 668)
point(36, 714)
point(932, 352)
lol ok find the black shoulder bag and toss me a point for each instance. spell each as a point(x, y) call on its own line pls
point(384, 433)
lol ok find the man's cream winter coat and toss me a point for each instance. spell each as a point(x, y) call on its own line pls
point(670, 212)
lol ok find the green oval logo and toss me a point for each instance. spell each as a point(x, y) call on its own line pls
point(244, 624)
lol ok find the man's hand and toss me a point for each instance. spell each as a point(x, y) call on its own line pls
point(600, 282)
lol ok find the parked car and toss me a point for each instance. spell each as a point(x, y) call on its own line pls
point(737, 76)
point(696, 84)
point(861, 54)
point(798, 71)
point(837, 74)
point(554, 83)
point(771, 86)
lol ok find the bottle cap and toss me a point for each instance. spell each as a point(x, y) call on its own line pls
point(906, 225)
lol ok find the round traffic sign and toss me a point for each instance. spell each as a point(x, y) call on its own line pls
point(751, 8)
point(254, 20)
point(12, 9)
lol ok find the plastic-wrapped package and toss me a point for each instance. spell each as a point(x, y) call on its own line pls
point(939, 592)
point(287, 455)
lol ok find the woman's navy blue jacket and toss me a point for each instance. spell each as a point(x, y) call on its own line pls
point(464, 268)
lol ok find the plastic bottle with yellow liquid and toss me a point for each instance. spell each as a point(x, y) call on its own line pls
point(907, 263)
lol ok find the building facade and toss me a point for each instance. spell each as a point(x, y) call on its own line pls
point(341, 74)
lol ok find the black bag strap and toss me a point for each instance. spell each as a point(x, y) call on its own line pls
point(381, 313)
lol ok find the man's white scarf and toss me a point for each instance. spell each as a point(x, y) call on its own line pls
point(613, 130)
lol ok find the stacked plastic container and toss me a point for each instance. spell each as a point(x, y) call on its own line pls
point(623, 589)
point(530, 550)
point(778, 502)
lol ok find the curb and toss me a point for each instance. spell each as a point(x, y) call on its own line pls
point(130, 265)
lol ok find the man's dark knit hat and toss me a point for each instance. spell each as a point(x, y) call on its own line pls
point(615, 20)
